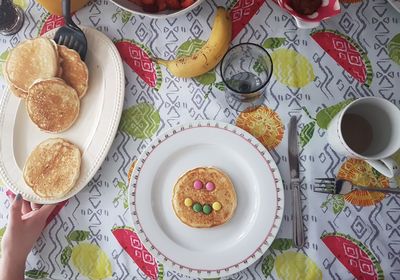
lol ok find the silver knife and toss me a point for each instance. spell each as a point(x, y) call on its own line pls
point(298, 230)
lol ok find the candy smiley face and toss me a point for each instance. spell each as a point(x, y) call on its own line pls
point(204, 197)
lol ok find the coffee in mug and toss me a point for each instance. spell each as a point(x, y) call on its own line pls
point(368, 129)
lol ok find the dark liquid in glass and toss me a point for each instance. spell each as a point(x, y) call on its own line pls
point(8, 14)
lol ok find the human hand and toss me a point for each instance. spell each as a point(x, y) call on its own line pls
point(25, 224)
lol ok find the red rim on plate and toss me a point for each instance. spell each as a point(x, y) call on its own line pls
point(138, 187)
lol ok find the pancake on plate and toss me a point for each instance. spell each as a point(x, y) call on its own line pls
point(204, 197)
point(31, 60)
point(18, 92)
point(53, 168)
point(52, 105)
point(74, 71)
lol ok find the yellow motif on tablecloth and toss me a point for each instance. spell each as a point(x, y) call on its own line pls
point(264, 124)
point(291, 68)
point(361, 173)
point(296, 266)
point(91, 261)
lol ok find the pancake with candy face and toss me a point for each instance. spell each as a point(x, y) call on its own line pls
point(204, 197)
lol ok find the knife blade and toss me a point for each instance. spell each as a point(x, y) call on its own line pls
point(298, 229)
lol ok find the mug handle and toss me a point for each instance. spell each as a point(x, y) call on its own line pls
point(387, 167)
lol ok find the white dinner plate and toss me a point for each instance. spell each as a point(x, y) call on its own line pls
point(93, 132)
point(224, 249)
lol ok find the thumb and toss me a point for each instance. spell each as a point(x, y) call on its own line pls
point(16, 209)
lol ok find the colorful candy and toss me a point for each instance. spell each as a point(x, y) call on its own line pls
point(216, 206)
point(197, 207)
point(197, 184)
point(210, 186)
point(188, 202)
point(207, 209)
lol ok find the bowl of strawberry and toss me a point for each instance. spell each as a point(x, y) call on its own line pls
point(158, 8)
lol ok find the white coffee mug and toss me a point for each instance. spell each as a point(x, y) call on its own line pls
point(381, 139)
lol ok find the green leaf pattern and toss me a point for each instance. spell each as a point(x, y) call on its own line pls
point(78, 235)
point(273, 42)
point(325, 116)
point(141, 121)
point(282, 244)
point(66, 255)
point(394, 49)
point(337, 202)
point(220, 86)
point(36, 274)
point(122, 194)
point(307, 133)
point(267, 265)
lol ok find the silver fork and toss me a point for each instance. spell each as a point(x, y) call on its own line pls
point(340, 186)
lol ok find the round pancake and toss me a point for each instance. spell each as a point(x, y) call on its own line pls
point(53, 168)
point(52, 105)
point(31, 60)
point(18, 92)
point(224, 193)
point(74, 70)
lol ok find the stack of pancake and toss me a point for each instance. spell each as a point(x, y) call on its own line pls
point(51, 79)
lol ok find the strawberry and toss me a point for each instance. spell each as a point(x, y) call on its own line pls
point(186, 3)
point(148, 2)
point(150, 8)
point(162, 5)
point(173, 4)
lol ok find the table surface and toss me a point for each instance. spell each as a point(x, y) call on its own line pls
point(354, 54)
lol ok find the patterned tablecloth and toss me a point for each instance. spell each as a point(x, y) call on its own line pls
point(354, 54)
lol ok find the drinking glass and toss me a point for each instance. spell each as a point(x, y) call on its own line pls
point(246, 70)
point(11, 17)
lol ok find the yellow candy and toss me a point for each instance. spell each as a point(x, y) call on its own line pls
point(188, 202)
point(216, 206)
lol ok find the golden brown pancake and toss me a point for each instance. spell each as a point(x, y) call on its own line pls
point(52, 105)
point(31, 60)
point(53, 168)
point(223, 193)
point(74, 71)
point(18, 92)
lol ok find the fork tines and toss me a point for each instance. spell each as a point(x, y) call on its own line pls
point(325, 185)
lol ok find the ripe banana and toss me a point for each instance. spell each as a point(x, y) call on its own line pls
point(209, 55)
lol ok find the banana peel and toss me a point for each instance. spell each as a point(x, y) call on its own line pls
point(209, 55)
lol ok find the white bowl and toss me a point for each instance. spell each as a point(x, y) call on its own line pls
point(136, 9)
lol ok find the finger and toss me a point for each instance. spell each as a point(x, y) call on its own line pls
point(16, 208)
point(26, 207)
point(35, 206)
point(10, 196)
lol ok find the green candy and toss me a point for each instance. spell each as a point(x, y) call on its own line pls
point(197, 207)
point(207, 209)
